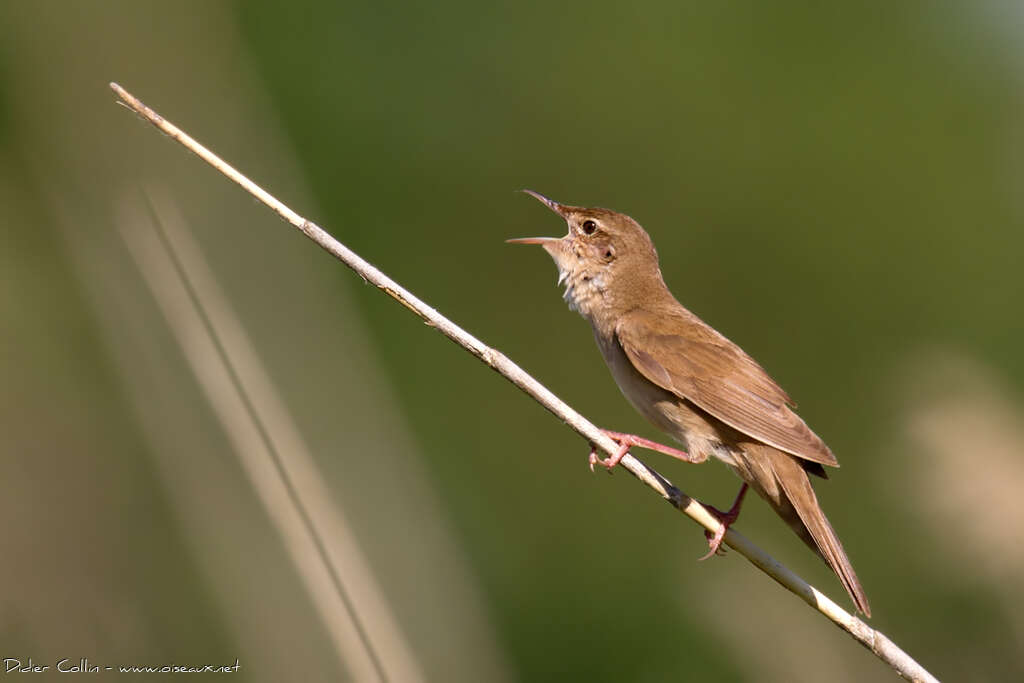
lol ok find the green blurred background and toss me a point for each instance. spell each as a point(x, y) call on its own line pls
point(837, 190)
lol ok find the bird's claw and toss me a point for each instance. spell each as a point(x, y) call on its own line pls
point(595, 459)
point(714, 542)
point(725, 520)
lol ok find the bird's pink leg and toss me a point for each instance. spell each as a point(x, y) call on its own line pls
point(726, 519)
point(627, 441)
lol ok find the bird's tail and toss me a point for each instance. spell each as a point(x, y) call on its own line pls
point(783, 482)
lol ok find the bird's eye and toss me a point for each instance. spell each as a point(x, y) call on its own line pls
point(589, 227)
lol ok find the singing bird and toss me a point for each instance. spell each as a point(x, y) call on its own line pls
point(689, 380)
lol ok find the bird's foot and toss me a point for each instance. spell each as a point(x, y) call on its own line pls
point(726, 519)
point(627, 441)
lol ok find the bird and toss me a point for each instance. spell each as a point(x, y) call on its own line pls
point(690, 381)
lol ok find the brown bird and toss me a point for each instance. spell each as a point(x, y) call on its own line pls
point(689, 380)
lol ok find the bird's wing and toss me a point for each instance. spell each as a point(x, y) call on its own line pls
point(684, 355)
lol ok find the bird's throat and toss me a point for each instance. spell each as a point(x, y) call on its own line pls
point(586, 293)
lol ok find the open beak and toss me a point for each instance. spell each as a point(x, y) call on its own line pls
point(550, 203)
point(534, 240)
point(546, 242)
